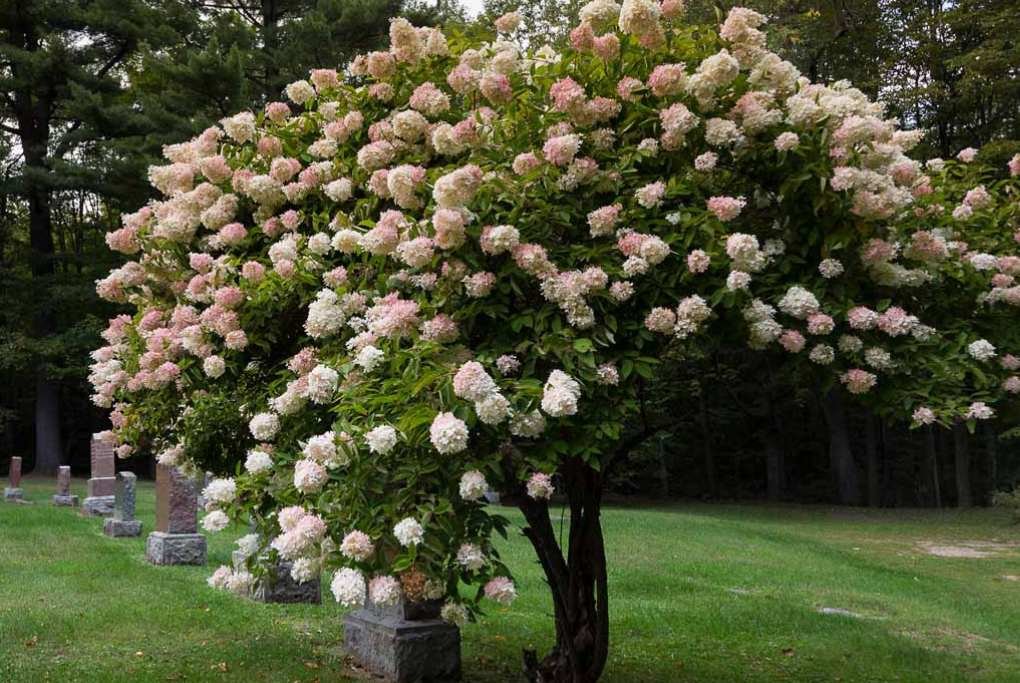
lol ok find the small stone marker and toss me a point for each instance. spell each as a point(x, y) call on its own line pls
point(206, 478)
point(404, 643)
point(175, 540)
point(63, 495)
point(100, 499)
point(14, 492)
point(123, 522)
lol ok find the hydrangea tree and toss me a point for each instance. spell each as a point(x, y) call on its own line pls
point(452, 268)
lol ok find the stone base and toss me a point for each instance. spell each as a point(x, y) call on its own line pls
point(403, 651)
point(164, 548)
point(67, 501)
point(283, 588)
point(119, 527)
point(13, 494)
point(97, 506)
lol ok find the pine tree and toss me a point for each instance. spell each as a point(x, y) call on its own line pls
point(61, 99)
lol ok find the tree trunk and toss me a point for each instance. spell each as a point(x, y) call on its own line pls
point(932, 458)
point(992, 459)
point(841, 458)
point(48, 453)
point(961, 453)
point(871, 449)
point(775, 480)
point(270, 46)
point(707, 452)
point(34, 128)
point(663, 469)
point(578, 582)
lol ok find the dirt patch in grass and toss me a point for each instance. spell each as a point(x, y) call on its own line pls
point(967, 549)
point(948, 639)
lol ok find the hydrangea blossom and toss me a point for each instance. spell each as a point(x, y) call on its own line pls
point(409, 532)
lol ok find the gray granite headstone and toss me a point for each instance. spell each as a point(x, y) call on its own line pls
point(280, 586)
point(14, 491)
point(100, 499)
point(63, 495)
point(123, 522)
point(405, 643)
point(175, 540)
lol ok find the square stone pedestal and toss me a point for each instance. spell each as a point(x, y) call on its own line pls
point(166, 548)
point(14, 494)
point(401, 649)
point(121, 527)
point(67, 501)
point(97, 506)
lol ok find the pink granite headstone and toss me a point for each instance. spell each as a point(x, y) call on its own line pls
point(104, 477)
point(103, 484)
point(14, 492)
point(63, 495)
point(176, 539)
point(16, 472)
point(176, 501)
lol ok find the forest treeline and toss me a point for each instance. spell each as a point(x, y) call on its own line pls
point(92, 90)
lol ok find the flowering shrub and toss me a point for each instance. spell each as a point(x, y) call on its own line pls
point(452, 268)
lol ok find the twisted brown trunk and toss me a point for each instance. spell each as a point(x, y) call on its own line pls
point(577, 581)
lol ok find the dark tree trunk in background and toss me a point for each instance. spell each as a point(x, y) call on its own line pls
point(991, 458)
point(33, 109)
point(841, 458)
point(663, 470)
point(707, 452)
point(932, 463)
point(961, 454)
point(871, 450)
point(577, 581)
point(775, 466)
point(775, 448)
point(891, 495)
point(48, 453)
point(270, 45)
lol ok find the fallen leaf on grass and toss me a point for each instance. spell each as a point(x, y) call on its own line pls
point(221, 667)
point(32, 642)
point(788, 651)
point(312, 665)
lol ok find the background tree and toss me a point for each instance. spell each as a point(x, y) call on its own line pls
point(61, 100)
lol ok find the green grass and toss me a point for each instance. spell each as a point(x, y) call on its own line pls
point(699, 593)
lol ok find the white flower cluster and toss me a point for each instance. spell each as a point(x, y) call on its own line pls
point(409, 532)
point(560, 394)
point(799, 302)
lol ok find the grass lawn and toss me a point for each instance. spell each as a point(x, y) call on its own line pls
point(699, 593)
